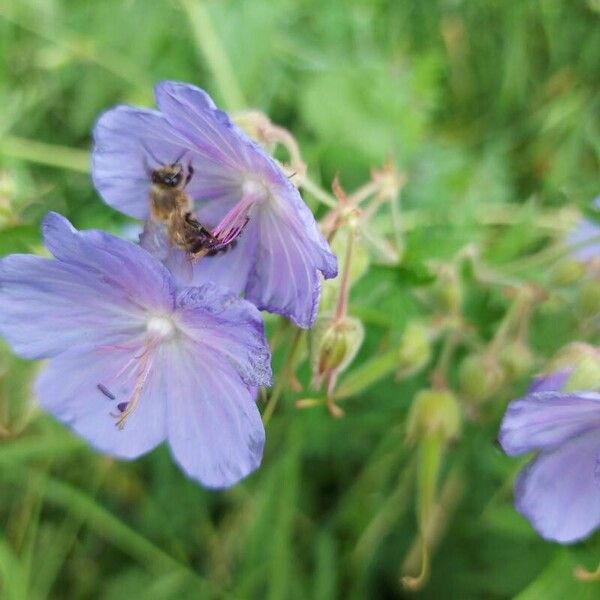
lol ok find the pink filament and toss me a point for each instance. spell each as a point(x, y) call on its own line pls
point(232, 224)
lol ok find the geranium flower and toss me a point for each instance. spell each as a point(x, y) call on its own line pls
point(559, 491)
point(280, 252)
point(134, 360)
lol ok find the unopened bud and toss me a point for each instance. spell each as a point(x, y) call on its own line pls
point(567, 271)
point(414, 351)
point(517, 359)
point(447, 292)
point(480, 377)
point(335, 344)
point(434, 412)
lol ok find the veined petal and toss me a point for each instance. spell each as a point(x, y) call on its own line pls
point(300, 219)
point(96, 291)
point(544, 420)
point(559, 492)
point(550, 383)
point(70, 387)
point(214, 428)
point(127, 266)
point(224, 325)
point(285, 277)
point(192, 111)
point(130, 143)
point(47, 306)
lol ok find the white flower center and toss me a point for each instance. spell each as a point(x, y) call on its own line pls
point(161, 327)
point(255, 189)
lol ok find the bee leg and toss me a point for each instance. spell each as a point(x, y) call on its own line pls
point(196, 256)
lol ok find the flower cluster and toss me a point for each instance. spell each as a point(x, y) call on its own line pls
point(155, 342)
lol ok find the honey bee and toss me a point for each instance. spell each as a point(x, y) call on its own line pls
point(171, 206)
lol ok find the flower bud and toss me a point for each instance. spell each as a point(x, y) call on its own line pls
point(335, 344)
point(447, 291)
point(434, 412)
point(414, 351)
point(567, 271)
point(517, 359)
point(480, 377)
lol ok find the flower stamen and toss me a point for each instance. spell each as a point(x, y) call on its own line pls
point(233, 223)
point(159, 328)
point(127, 408)
point(106, 391)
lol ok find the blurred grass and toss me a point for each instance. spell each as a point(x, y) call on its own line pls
point(491, 109)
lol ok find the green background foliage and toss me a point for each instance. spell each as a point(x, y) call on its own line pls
point(489, 107)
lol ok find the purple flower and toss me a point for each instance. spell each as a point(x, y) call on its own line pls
point(559, 491)
point(134, 361)
point(280, 251)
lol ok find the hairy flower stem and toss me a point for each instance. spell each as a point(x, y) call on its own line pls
point(517, 317)
point(439, 375)
point(383, 187)
point(317, 192)
point(449, 497)
point(342, 304)
point(340, 315)
point(430, 455)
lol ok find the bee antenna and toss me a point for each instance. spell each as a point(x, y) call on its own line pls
point(151, 155)
point(179, 157)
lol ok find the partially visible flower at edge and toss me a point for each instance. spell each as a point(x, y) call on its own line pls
point(580, 238)
point(133, 360)
point(279, 254)
point(559, 490)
